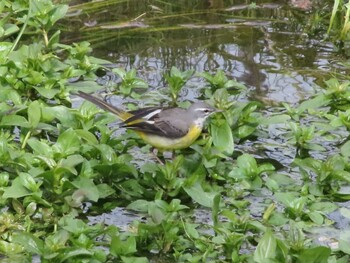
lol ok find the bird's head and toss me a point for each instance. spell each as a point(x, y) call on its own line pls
point(200, 111)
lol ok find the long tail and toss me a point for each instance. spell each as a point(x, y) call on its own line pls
point(123, 115)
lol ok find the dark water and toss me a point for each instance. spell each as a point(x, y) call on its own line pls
point(276, 48)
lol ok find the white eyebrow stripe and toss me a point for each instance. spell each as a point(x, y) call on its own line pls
point(200, 109)
point(150, 115)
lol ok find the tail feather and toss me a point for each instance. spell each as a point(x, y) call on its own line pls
point(123, 115)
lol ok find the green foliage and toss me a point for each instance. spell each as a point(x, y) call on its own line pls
point(129, 82)
point(61, 165)
point(176, 80)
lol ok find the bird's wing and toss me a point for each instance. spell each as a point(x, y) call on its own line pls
point(142, 115)
point(170, 123)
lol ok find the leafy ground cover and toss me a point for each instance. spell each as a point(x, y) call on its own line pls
point(61, 165)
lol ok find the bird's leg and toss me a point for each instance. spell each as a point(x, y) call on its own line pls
point(155, 154)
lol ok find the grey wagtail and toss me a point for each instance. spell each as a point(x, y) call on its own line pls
point(163, 128)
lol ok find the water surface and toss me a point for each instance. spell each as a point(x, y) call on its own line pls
point(276, 48)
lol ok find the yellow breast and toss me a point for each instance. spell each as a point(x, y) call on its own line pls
point(163, 143)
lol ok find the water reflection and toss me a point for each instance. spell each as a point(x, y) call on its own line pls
point(275, 49)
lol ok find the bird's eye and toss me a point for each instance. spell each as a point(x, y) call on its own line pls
point(206, 111)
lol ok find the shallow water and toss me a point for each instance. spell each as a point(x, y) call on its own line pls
point(276, 48)
point(273, 47)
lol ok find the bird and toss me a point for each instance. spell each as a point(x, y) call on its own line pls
point(165, 129)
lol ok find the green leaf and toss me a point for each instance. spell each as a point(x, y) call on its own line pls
point(345, 212)
point(215, 209)
point(324, 207)
point(248, 164)
point(344, 246)
point(191, 230)
point(40, 148)
point(313, 103)
point(104, 190)
point(266, 249)
point(121, 247)
point(28, 182)
point(75, 252)
point(316, 217)
point(88, 136)
point(139, 206)
point(222, 137)
point(7, 248)
point(46, 93)
point(67, 143)
point(72, 225)
point(34, 114)
point(286, 198)
point(197, 193)
point(315, 255)
point(245, 131)
point(30, 243)
point(58, 12)
point(345, 149)
point(87, 187)
point(134, 259)
point(14, 120)
point(276, 119)
point(16, 190)
point(71, 161)
point(156, 212)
